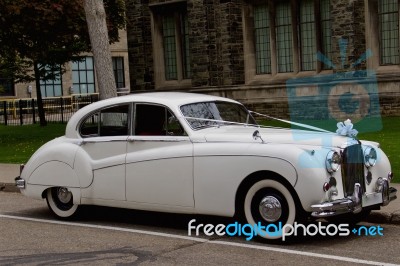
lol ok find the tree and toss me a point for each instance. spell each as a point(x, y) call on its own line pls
point(46, 34)
point(96, 20)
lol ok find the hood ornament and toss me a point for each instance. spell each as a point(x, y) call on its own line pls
point(346, 129)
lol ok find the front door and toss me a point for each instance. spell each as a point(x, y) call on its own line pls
point(159, 161)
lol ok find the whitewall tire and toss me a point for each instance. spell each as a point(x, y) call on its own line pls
point(270, 203)
point(60, 202)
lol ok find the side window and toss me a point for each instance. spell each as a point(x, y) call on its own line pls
point(154, 120)
point(172, 126)
point(111, 121)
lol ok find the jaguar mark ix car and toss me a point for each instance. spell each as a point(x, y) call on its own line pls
point(201, 154)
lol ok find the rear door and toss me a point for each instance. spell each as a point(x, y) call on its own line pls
point(105, 135)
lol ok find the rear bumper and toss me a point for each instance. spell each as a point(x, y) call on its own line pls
point(354, 204)
point(19, 182)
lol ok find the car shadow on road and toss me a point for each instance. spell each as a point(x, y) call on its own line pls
point(178, 224)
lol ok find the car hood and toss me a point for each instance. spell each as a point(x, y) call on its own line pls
point(275, 135)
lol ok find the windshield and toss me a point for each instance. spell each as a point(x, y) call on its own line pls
point(208, 114)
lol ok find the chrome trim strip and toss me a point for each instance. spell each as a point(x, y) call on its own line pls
point(101, 140)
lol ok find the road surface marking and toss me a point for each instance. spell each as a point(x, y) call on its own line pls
point(199, 239)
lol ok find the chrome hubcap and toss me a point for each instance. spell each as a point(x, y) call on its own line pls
point(270, 209)
point(64, 195)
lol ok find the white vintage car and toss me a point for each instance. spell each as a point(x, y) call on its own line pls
point(200, 154)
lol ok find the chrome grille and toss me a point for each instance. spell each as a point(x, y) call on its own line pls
point(352, 168)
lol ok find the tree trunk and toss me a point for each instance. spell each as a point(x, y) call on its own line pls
point(96, 20)
point(42, 117)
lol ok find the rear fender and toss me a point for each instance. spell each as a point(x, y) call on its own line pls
point(54, 173)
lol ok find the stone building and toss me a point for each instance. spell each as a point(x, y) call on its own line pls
point(276, 56)
point(79, 77)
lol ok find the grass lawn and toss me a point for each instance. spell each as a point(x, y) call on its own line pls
point(18, 143)
point(389, 138)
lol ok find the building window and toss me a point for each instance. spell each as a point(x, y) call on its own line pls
point(187, 71)
point(326, 31)
point(176, 46)
point(262, 39)
point(169, 42)
point(171, 45)
point(83, 76)
point(52, 87)
point(119, 72)
point(279, 47)
point(6, 87)
point(283, 29)
point(388, 12)
point(308, 45)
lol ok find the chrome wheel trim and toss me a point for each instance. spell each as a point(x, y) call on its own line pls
point(64, 195)
point(270, 209)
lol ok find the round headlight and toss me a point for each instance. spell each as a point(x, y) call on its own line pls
point(332, 161)
point(370, 156)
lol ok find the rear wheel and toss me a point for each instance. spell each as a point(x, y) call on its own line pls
point(270, 204)
point(60, 202)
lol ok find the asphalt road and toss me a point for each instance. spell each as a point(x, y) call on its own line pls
point(29, 235)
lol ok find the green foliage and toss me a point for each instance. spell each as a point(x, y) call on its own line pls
point(15, 68)
point(389, 140)
point(116, 18)
point(48, 33)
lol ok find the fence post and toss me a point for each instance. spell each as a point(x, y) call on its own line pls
point(33, 112)
point(5, 112)
point(21, 119)
point(62, 109)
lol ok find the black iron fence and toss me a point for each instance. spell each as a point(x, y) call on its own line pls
point(57, 109)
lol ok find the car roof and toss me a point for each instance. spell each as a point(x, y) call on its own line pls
point(171, 99)
point(174, 98)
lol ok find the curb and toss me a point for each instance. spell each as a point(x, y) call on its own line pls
point(380, 217)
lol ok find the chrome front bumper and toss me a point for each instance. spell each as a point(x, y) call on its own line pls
point(383, 195)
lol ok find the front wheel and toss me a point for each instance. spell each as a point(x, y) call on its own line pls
point(60, 202)
point(270, 204)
